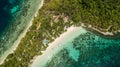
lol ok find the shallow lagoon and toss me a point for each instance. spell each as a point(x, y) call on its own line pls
point(88, 50)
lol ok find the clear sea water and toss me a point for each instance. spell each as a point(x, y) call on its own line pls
point(88, 50)
point(15, 16)
point(4, 15)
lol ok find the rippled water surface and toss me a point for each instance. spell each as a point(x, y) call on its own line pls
point(88, 50)
point(15, 17)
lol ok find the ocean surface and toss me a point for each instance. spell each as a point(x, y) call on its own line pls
point(86, 50)
point(4, 15)
point(15, 16)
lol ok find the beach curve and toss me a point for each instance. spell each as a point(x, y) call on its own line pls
point(55, 46)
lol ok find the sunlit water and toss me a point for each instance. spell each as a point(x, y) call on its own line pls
point(15, 16)
point(88, 50)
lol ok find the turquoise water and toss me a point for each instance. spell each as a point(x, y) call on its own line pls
point(88, 50)
point(14, 9)
point(15, 16)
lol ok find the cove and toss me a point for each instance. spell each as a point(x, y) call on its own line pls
point(88, 50)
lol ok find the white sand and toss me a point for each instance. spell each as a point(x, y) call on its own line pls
point(16, 43)
point(56, 46)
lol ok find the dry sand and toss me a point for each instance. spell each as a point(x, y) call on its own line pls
point(57, 45)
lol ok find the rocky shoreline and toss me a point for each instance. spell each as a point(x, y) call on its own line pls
point(101, 32)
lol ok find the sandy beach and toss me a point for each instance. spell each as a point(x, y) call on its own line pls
point(27, 28)
point(56, 45)
point(16, 43)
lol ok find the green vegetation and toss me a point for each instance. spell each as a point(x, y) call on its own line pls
point(99, 13)
point(55, 16)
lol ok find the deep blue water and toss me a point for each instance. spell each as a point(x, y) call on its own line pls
point(7, 9)
point(8, 14)
point(15, 16)
point(4, 15)
point(91, 50)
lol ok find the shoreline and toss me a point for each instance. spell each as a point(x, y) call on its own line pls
point(56, 46)
point(114, 36)
point(101, 33)
point(25, 31)
point(95, 30)
point(16, 43)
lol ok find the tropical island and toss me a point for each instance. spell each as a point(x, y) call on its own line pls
point(55, 16)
